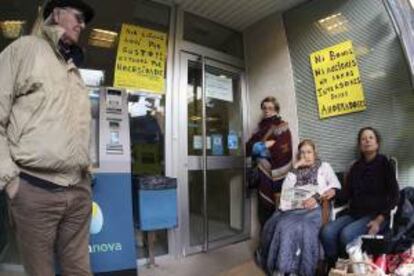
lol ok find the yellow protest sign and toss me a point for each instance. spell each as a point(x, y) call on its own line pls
point(140, 60)
point(337, 80)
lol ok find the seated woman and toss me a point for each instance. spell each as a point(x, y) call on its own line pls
point(372, 191)
point(289, 241)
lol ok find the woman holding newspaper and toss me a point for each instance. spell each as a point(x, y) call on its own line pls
point(289, 241)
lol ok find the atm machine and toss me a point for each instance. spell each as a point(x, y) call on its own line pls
point(112, 242)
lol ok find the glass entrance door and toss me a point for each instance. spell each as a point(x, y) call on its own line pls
point(216, 210)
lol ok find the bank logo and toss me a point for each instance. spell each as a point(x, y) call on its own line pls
point(97, 220)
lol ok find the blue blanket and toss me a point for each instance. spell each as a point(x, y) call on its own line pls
point(290, 242)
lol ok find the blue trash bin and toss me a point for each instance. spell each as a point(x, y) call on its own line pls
point(157, 203)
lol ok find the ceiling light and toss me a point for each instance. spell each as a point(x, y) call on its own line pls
point(102, 38)
point(361, 50)
point(333, 24)
point(12, 28)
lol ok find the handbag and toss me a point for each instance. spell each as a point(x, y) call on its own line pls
point(253, 177)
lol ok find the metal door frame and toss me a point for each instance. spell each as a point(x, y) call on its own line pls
point(183, 165)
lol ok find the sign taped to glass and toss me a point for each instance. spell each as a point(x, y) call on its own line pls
point(219, 87)
point(140, 60)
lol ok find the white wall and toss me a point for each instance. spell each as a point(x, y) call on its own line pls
point(269, 73)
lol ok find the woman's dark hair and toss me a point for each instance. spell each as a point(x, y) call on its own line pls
point(272, 100)
point(376, 133)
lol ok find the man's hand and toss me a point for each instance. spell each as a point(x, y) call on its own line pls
point(309, 203)
point(329, 194)
point(12, 187)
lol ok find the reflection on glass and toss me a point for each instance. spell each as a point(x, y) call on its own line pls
point(194, 102)
point(224, 118)
point(146, 119)
point(146, 113)
point(92, 78)
point(224, 204)
point(195, 197)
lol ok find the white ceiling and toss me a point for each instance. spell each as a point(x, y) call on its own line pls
point(236, 14)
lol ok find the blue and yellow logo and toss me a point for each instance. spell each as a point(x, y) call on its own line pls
point(97, 220)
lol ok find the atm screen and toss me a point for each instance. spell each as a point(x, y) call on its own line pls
point(114, 92)
point(113, 124)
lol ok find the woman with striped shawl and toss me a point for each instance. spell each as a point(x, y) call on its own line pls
point(271, 148)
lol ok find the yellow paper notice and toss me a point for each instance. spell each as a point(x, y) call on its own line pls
point(337, 80)
point(140, 60)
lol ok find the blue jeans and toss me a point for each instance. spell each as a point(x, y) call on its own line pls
point(337, 234)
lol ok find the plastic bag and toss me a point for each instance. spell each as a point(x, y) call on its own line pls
point(405, 270)
point(354, 250)
point(402, 264)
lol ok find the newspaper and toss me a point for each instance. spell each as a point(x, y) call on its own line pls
point(292, 198)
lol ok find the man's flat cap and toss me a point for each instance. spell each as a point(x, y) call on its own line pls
point(87, 10)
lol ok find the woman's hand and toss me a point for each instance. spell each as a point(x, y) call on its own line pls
point(270, 143)
point(329, 194)
point(300, 163)
point(309, 203)
point(375, 224)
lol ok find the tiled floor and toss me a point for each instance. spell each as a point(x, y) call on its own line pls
point(233, 260)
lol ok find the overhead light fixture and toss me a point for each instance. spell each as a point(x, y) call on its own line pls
point(361, 50)
point(334, 24)
point(329, 18)
point(102, 38)
point(377, 75)
point(12, 28)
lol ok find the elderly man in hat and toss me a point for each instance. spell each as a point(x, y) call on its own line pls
point(44, 142)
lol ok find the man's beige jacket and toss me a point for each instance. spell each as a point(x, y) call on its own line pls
point(44, 112)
